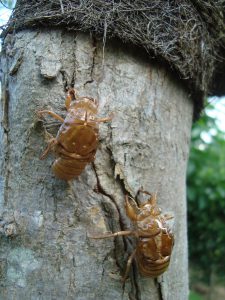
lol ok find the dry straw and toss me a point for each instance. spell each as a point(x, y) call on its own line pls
point(189, 35)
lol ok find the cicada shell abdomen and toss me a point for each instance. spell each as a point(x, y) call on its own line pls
point(68, 169)
point(77, 145)
point(153, 254)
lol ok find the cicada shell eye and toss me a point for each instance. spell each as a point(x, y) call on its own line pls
point(132, 209)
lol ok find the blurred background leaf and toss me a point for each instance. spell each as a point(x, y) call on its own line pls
point(206, 197)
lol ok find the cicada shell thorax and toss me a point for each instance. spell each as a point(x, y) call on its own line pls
point(79, 132)
point(145, 216)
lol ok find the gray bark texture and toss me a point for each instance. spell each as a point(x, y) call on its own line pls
point(45, 250)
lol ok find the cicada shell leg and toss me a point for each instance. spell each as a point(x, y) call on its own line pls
point(51, 144)
point(132, 209)
point(40, 113)
point(115, 234)
point(167, 217)
point(104, 120)
point(71, 95)
point(153, 199)
point(129, 262)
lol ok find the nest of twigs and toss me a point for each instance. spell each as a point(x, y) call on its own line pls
point(189, 35)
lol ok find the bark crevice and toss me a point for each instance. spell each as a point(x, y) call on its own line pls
point(74, 73)
point(128, 245)
point(94, 53)
point(5, 123)
point(159, 288)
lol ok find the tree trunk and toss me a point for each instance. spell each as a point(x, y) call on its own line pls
point(46, 251)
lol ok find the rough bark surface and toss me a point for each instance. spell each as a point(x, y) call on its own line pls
point(45, 251)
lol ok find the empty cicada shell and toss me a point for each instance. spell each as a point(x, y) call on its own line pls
point(76, 142)
point(154, 238)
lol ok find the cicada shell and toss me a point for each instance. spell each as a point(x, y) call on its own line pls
point(155, 239)
point(76, 142)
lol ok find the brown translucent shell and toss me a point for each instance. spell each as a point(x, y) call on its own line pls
point(155, 239)
point(76, 142)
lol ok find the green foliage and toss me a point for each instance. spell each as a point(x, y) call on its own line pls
point(206, 197)
point(194, 296)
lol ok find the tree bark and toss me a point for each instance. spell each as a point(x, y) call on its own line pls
point(46, 251)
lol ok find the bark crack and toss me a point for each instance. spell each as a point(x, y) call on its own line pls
point(74, 74)
point(102, 191)
point(68, 79)
point(121, 182)
point(136, 282)
point(94, 52)
point(5, 123)
point(135, 294)
point(16, 63)
point(64, 80)
point(103, 267)
point(159, 286)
